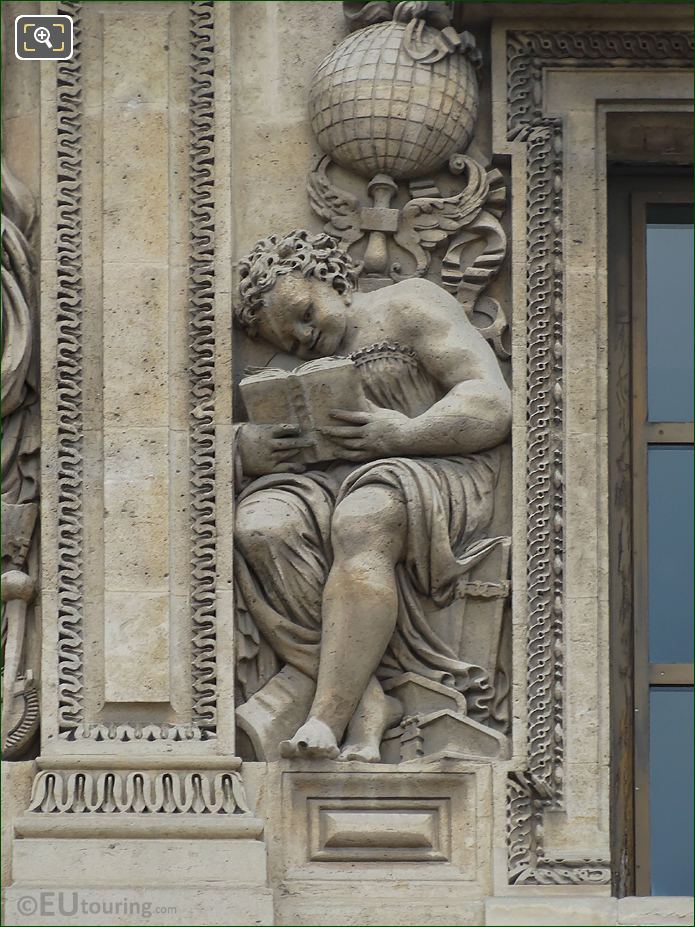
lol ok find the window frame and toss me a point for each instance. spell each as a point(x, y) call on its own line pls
point(630, 434)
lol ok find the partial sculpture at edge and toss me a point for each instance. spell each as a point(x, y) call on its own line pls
point(335, 563)
point(20, 467)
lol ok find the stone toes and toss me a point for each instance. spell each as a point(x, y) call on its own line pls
point(288, 749)
point(360, 755)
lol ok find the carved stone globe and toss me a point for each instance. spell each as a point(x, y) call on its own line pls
point(374, 109)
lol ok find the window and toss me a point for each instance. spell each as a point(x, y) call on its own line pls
point(651, 454)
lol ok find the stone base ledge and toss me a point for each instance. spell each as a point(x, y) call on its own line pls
point(569, 910)
point(204, 905)
point(154, 826)
point(243, 905)
point(107, 862)
point(389, 902)
point(643, 912)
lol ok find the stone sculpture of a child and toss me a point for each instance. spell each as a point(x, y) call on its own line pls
point(333, 563)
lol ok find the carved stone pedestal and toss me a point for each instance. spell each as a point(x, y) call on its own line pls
point(414, 844)
point(176, 837)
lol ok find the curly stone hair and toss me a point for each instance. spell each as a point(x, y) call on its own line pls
point(315, 256)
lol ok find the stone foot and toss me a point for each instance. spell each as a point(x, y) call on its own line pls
point(313, 739)
point(361, 753)
point(375, 714)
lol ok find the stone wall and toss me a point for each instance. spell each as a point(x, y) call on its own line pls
point(181, 649)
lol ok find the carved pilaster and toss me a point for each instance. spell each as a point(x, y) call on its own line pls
point(19, 407)
point(540, 785)
point(202, 367)
point(74, 722)
point(544, 488)
point(69, 382)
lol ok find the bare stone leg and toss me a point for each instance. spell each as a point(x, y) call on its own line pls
point(360, 606)
point(375, 713)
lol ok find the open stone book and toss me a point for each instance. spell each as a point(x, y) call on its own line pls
point(305, 396)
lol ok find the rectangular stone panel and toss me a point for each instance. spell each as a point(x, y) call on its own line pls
point(415, 830)
point(137, 367)
point(368, 819)
point(132, 290)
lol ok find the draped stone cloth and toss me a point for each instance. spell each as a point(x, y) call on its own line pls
point(448, 502)
point(20, 447)
point(20, 440)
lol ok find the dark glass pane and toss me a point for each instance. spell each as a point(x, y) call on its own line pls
point(670, 553)
point(671, 789)
point(670, 313)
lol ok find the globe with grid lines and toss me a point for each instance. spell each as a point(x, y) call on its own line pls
point(374, 109)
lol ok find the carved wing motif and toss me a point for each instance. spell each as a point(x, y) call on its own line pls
point(426, 221)
point(339, 208)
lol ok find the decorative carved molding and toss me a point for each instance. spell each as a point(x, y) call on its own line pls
point(540, 785)
point(544, 487)
point(138, 792)
point(124, 733)
point(201, 295)
point(527, 861)
point(72, 724)
point(69, 382)
point(528, 53)
point(523, 827)
point(564, 871)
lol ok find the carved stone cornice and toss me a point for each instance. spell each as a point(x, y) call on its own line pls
point(529, 53)
point(539, 786)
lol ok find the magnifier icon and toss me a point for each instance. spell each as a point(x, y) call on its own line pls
point(41, 34)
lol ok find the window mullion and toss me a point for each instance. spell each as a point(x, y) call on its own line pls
point(669, 432)
point(670, 674)
point(639, 545)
